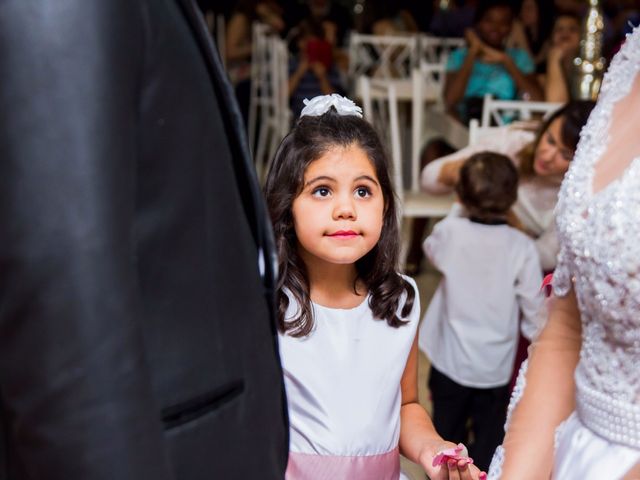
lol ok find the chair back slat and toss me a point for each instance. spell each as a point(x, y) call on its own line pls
point(497, 112)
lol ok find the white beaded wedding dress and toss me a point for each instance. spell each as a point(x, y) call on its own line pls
point(599, 233)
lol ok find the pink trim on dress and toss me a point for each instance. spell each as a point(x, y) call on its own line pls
point(304, 466)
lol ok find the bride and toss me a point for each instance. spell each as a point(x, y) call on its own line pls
point(579, 415)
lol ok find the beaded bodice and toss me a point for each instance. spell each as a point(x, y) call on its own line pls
point(600, 254)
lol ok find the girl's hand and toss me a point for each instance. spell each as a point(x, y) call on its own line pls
point(561, 50)
point(452, 469)
point(556, 53)
point(475, 44)
point(491, 55)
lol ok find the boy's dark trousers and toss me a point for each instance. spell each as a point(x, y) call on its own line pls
point(455, 404)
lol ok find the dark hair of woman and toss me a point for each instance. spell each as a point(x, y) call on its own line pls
point(310, 138)
point(546, 17)
point(488, 185)
point(574, 115)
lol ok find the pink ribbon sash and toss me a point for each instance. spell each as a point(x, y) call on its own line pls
point(303, 466)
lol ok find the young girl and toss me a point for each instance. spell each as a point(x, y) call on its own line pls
point(347, 320)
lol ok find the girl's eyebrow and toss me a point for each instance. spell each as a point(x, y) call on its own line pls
point(367, 177)
point(321, 178)
point(325, 178)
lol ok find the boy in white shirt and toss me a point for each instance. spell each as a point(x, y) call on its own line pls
point(491, 277)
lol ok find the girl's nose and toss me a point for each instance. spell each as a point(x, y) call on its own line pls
point(344, 209)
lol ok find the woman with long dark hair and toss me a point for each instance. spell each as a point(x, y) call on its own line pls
point(543, 158)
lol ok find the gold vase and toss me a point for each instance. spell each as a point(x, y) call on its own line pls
point(590, 64)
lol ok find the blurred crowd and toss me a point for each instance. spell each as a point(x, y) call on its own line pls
point(541, 37)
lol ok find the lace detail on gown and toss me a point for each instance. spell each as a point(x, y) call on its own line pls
point(600, 255)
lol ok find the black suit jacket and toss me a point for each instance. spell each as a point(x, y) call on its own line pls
point(137, 337)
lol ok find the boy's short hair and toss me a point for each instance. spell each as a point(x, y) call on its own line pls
point(488, 184)
point(485, 5)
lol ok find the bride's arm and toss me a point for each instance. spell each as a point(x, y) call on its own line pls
point(548, 396)
point(633, 474)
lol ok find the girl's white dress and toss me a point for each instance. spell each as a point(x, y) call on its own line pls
point(343, 390)
point(600, 257)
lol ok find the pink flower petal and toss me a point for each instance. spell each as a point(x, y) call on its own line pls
point(444, 456)
point(547, 284)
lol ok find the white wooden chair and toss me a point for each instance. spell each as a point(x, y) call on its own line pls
point(380, 106)
point(429, 118)
point(437, 49)
point(496, 111)
point(276, 115)
point(269, 101)
point(382, 56)
point(259, 93)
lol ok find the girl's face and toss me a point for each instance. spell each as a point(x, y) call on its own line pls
point(338, 216)
point(494, 26)
point(552, 157)
point(566, 33)
point(529, 14)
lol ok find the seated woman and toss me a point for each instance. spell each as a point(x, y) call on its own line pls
point(312, 67)
point(542, 159)
point(532, 29)
point(486, 66)
point(239, 44)
point(391, 19)
point(564, 45)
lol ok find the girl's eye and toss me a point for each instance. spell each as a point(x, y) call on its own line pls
point(320, 192)
point(550, 140)
point(568, 156)
point(363, 192)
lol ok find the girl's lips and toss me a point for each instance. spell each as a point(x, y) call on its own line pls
point(343, 234)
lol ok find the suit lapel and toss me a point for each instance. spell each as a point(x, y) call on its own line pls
point(214, 65)
point(242, 164)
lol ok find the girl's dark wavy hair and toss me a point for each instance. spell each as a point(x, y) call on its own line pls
point(309, 139)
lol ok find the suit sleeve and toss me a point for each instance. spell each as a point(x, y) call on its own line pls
point(72, 369)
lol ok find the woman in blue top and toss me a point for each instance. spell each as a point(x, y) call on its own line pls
point(486, 66)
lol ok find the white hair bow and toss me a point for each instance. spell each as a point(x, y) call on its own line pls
point(321, 104)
